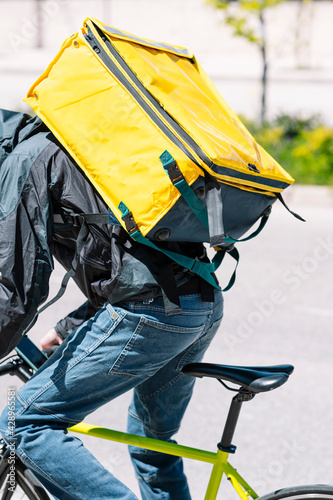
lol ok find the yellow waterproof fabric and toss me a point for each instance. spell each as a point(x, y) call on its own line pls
point(117, 143)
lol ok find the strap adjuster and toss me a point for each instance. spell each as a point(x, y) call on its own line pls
point(170, 165)
point(174, 173)
point(128, 219)
point(130, 223)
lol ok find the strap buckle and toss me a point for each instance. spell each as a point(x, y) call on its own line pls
point(128, 219)
point(130, 223)
point(170, 165)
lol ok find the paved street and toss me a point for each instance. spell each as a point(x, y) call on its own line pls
point(279, 311)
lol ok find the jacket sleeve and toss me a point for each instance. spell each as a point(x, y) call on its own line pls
point(70, 323)
point(25, 235)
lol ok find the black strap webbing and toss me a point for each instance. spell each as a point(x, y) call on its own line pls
point(85, 219)
point(169, 288)
point(279, 197)
point(79, 245)
point(206, 291)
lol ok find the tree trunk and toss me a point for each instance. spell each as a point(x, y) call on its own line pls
point(264, 67)
point(107, 11)
point(39, 25)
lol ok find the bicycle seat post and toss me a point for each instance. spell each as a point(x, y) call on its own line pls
point(232, 419)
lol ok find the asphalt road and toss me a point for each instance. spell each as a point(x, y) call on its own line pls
point(279, 311)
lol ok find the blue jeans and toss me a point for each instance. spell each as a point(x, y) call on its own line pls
point(131, 346)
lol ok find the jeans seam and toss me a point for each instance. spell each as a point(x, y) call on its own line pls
point(132, 306)
point(113, 371)
point(190, 353)
point(55, 415)
point(162, 389)
point(116, 365)
point(170, 328)
point(77, 360)
point(171, 431)
point(24, 457)
point(24, 404)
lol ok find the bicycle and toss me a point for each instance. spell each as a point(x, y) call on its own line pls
point(250, 381)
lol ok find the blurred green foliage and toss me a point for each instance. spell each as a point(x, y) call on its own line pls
point(303, 147)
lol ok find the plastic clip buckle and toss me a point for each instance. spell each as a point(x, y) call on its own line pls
point(174, 173)
point(130, 224)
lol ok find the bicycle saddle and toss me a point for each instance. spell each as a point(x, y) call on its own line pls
point(251, 378)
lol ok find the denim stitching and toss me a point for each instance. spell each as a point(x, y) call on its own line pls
point(147, 307)
point(55, 415)
point(122, 374)
point(144, 321)
point(153, 395)
point(171, 431)
point(23, 402)
point(171, 328)
point(190, 353)
point(127, 347)
point(24, 457)
point(77, 360)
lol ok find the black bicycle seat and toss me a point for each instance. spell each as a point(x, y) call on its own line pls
point(252, 378)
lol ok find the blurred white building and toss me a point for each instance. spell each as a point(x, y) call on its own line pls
point(301, 68)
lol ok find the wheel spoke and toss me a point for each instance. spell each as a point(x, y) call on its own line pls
point(25, 488)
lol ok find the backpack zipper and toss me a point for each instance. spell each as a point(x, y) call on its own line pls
point(155, 111)
point(101, 53)
point(156, 105)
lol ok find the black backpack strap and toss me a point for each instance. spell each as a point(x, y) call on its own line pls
point(279, 197)
point(167, 282)
point(85, 221)
point(78, 247)
point(206, 291)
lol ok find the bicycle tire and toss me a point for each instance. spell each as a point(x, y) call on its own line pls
point(307, 492)
point(27, 485)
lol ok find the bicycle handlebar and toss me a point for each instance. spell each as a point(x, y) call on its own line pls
point(17, 366)
point(7, 369)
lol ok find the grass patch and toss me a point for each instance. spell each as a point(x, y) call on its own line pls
point(303, 147)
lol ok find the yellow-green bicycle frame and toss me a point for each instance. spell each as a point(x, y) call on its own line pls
point(219, 460)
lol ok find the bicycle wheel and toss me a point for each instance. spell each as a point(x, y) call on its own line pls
point(26, 485)
point(308, 492)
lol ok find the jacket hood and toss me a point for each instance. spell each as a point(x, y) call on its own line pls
point(15, 127)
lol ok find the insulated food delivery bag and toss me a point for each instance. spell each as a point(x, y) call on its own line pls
point(157, 140)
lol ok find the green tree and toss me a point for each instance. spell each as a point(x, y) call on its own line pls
point(241, 21)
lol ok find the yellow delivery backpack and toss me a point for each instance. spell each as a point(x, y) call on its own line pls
point(154, 136)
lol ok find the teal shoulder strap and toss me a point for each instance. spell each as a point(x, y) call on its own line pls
point(203, 269)
point(178, 180)
point(212, 216)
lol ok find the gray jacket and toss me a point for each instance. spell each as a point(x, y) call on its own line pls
point(42, 194)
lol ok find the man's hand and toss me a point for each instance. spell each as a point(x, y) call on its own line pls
point(50, 339)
